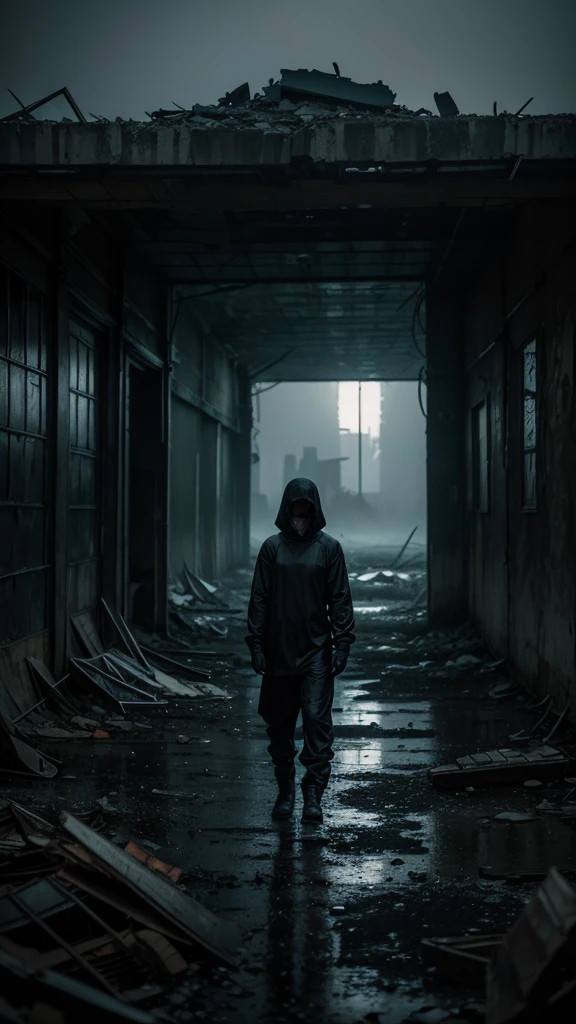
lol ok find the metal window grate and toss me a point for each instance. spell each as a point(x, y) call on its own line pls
point(84, 473)
point(23, 460)
point(529, 475)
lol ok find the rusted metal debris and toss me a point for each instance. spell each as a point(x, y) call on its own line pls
point(533, 973)
point(500, 767)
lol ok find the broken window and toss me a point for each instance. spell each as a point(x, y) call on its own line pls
point(529, 425)
point(58, 106)
point(481, 457)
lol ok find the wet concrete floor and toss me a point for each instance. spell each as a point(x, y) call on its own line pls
point(332, 916)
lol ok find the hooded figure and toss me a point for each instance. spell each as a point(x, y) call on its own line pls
point(300, 627)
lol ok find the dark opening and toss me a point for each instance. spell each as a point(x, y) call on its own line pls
point(481, 456)
point(529, 425)
point(143, 499)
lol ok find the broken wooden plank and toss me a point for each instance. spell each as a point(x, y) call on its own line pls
point(183, 912)
point(171, 871)
point(464, 958)
point(65, 996)
point(87, 633)
point(547, 767)
point(530, 966)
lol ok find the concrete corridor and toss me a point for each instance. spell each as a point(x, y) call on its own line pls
point(331, 916)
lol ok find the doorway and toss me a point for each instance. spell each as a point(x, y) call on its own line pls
point(144, 498)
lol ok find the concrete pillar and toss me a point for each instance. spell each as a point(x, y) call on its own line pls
point(242, 469)
point(59, 378)
point(445, 458)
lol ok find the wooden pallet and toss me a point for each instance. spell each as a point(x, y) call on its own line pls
point(500, 767)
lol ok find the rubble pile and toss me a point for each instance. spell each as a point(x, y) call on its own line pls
point(299, 98)
point(122, 674)
point(101, 931)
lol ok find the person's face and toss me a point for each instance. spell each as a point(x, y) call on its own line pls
point(302, 516)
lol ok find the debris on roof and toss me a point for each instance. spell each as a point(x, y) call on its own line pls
point(445, 104)
point(302, 84)
point(236, 97)
point(300, 97)
point(58, 106)
point(297, 99)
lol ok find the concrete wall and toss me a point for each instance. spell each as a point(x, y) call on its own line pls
point(209, 453)
point(88, 407)
point(445, 456)
point(359, 141)
point(521, 580)
point(76, 314)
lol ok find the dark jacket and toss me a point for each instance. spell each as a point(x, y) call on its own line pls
point(300, 599)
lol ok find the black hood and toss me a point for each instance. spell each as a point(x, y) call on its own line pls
point(299, 489)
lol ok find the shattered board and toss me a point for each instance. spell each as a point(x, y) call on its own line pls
point(536, 956)
point(500, 767)
point(185, 913)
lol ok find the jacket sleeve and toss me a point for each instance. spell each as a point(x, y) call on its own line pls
point(259, 598)
point(340, 607)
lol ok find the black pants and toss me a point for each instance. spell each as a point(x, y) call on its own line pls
point(281, 700)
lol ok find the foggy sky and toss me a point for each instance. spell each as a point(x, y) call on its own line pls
point(122, 57)
point(294, 416)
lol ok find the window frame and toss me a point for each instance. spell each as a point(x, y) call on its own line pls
point(479, 465)
point(529, 504)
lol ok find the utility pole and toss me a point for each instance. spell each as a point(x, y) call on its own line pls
point(359, 438)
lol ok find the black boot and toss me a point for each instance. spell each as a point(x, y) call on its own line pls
point(312, 813)
point(284, 805)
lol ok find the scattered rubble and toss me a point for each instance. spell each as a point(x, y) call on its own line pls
point(69, 876)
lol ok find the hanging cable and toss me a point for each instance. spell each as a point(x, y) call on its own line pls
point(416, 345)
point(419, 305)
point(262, 391)
point(420, 382)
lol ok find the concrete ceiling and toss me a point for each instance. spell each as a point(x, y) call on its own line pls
point(339, 330)
point(312, 294)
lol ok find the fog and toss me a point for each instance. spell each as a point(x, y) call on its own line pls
point(311, 430)
point(122, 57)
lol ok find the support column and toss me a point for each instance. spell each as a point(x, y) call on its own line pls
point(163, 572)
point(243, 469)
point(112, 391)
point(59, 384)
point(445, 458)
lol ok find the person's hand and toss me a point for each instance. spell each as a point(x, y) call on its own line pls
point(258, 663)
point(339, 660)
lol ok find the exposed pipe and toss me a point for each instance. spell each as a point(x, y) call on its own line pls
point(359, 438)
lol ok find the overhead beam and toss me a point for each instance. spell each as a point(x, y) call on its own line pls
point(467, 190)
